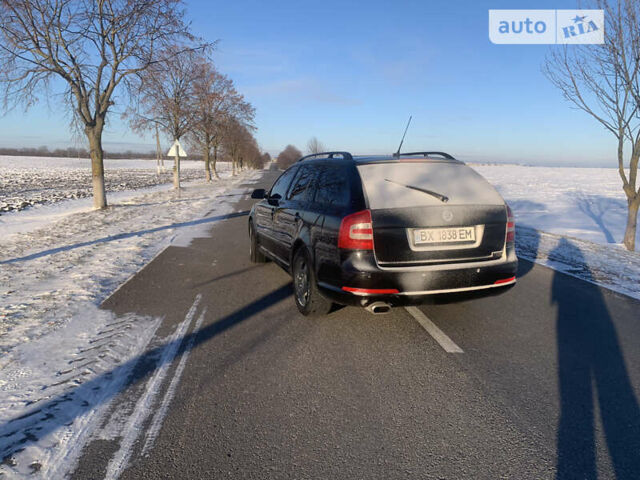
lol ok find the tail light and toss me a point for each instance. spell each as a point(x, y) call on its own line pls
point(511, 226)
point(356, 231)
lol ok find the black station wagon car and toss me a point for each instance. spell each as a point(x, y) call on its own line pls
point(381, 231)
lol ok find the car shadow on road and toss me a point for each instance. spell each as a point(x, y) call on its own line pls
point(121, 236)
point(593, 379)
point(527, 245)
point(42, 419)
point(229, 275)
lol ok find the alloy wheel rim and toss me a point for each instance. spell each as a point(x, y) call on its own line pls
point(302, 282)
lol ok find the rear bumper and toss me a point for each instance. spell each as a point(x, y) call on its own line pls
point(361, 281)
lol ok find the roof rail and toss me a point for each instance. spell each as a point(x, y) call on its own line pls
point(345, 155)
point(427, 154)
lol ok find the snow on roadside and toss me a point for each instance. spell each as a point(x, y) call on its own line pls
point(55, 390)
point(84, 256)
point(572, 220)
point(610, 267)
point(62, 359)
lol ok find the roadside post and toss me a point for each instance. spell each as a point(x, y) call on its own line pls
point(176, 151)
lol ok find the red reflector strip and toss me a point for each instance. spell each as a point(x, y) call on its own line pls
point(370, 290)
point(506, 280)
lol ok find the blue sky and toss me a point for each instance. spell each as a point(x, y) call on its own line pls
point(351, 73)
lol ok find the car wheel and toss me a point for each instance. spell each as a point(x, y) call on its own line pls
point(255, 255)
point(308, 299)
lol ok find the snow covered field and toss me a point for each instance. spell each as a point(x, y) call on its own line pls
point(585, 203)
point(28, 181)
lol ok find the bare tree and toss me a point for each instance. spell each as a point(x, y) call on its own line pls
point(240, 144)
point(315, 146)
point(258, 160)
point(166, 97)
point(91, 47)
point(250, 154)
point(216, 102)
point(288, 156)
point(604, 81)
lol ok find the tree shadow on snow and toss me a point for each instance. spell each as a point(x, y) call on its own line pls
point(596, 207)
point(121, 236)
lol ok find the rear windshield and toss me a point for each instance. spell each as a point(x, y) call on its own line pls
point(385, 185)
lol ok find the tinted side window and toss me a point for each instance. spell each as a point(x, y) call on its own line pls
point(333, 187)
point(282, 183)
point(302, 185)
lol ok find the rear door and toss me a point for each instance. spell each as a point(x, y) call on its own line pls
point(332, 201)
point(431, 212)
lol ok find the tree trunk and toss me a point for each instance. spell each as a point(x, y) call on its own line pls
point(94, 134)
point(207, 164)
point(176, 169)
point(632, 223)
point(215, 159)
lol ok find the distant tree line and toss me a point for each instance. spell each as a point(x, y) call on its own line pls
point(70, 152)
point(291, 154)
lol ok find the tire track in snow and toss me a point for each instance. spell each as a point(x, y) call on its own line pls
point(161, 413)
point(141, 412)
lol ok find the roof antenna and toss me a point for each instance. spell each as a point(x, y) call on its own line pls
point(397, 154)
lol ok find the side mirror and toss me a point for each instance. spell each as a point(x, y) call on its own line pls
point(259, 193)
point(274, 199)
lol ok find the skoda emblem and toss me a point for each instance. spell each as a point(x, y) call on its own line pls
point(447, 215)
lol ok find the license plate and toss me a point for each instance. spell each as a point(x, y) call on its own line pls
point(425, 236)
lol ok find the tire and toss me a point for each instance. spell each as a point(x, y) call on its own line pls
point(255, 256)
point(305, 288)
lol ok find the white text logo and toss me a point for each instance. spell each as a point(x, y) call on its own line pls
point(546, 26)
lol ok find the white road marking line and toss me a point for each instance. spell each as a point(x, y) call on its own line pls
point(134, 425)
point(158, 418)
point(431, 328)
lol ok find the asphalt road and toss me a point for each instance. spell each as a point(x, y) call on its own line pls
point(546, 385)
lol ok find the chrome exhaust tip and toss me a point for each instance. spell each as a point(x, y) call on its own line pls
point(378, 308)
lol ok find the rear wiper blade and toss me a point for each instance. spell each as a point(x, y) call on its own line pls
point(439, 196)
